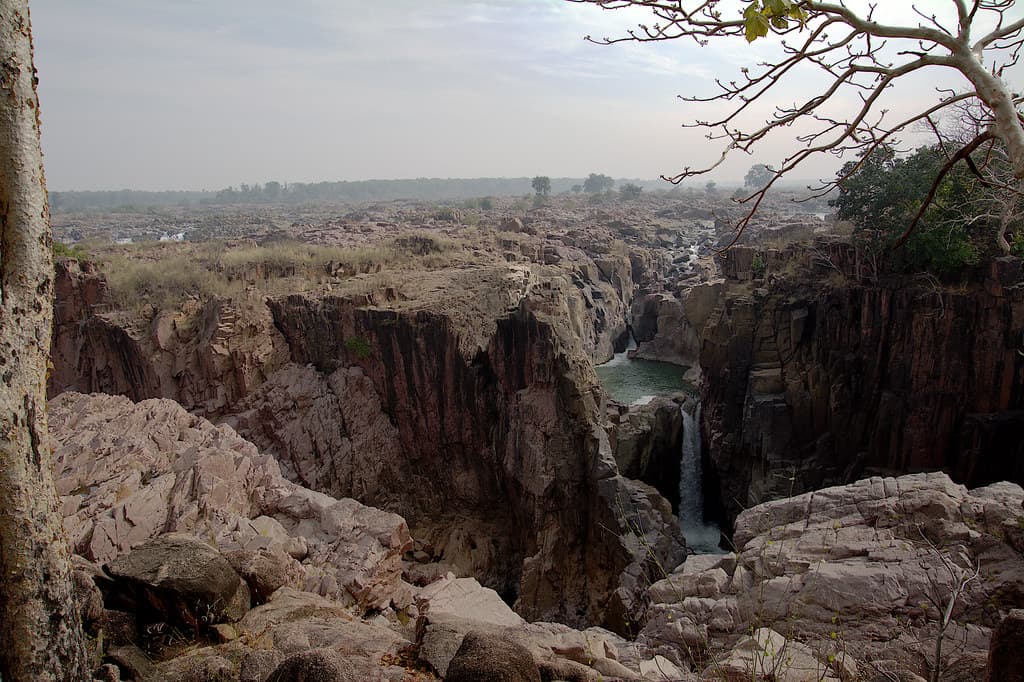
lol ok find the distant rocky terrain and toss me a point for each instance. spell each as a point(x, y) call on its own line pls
point(380, 429)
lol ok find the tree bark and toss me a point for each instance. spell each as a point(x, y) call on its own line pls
point(40, 630)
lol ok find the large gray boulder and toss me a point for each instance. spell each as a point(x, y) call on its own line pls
point(183, 578)
point(485, 656)
point(1006, 655)
point(315, 665)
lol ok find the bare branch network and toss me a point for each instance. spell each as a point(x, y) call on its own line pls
point(856, 53)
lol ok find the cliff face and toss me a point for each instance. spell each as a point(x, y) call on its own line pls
point(206, 356)
point(495, 457)
point(809, 385)
point(472, 411)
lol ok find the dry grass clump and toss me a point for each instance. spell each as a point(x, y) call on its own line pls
point(164, 274)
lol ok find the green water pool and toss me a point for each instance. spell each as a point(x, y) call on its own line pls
point(629, 381)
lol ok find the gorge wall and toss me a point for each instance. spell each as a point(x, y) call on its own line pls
point(477, 419)
point(821, 378)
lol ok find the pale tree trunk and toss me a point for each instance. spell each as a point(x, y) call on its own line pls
point(40, 633)
point(1007, 126)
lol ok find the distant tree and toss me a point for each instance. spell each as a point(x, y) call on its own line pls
point(711, 188)
point(542, 185)
point(758, 176)
point(630, 191)
point(596, 182)
point(272, 190)
point(576, 189)
point(40, 626)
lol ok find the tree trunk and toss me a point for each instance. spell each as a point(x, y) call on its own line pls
point(40, 631)
point(993, 91)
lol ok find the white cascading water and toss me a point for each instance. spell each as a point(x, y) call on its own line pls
point(701, 537)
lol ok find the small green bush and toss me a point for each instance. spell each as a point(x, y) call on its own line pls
point(358, 346)
point(1017, 244)
point(62, 250)
point(757, 266)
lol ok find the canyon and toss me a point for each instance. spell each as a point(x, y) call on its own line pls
point(451, 391)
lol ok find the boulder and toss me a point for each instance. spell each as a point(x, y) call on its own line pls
point(770, 656)
point(1006, 654)
point(489, 657)
point(315, 665)
point(265, 570)
point(463, 601)
point(185, 579)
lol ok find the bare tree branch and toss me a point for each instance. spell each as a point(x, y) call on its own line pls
point(865, 59)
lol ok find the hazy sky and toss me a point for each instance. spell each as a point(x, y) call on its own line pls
point(194, 94)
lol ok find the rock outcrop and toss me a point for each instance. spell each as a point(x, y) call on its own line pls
point(206, 356)
point(194, 526)
point(129, 472)
point(827, 379)
point(647, 440)
point(663, 331)
point(859, 576)
point(470, 408)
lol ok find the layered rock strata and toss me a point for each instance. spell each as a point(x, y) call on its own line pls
point(387, 407)
point(808, 385)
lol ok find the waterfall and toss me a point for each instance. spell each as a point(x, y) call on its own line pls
point(691, 497)
point(702, 538)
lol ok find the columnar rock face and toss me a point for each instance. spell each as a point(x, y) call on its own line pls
point(494, 455)
point(861, 574)
point(813, 384)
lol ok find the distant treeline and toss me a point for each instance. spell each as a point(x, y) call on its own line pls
point(429, 189)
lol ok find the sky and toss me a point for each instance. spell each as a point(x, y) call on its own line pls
point(205, 94)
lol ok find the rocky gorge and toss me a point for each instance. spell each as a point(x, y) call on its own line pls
point(428, 452)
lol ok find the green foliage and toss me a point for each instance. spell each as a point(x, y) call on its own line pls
point(1017, 244)
point(358, 346)
point(596, 183)
point(62, 250)
point(630, 191)
point(758, 176)
point(541, 185)
point(761, 16)
point(886, 191)
point(757, 266)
